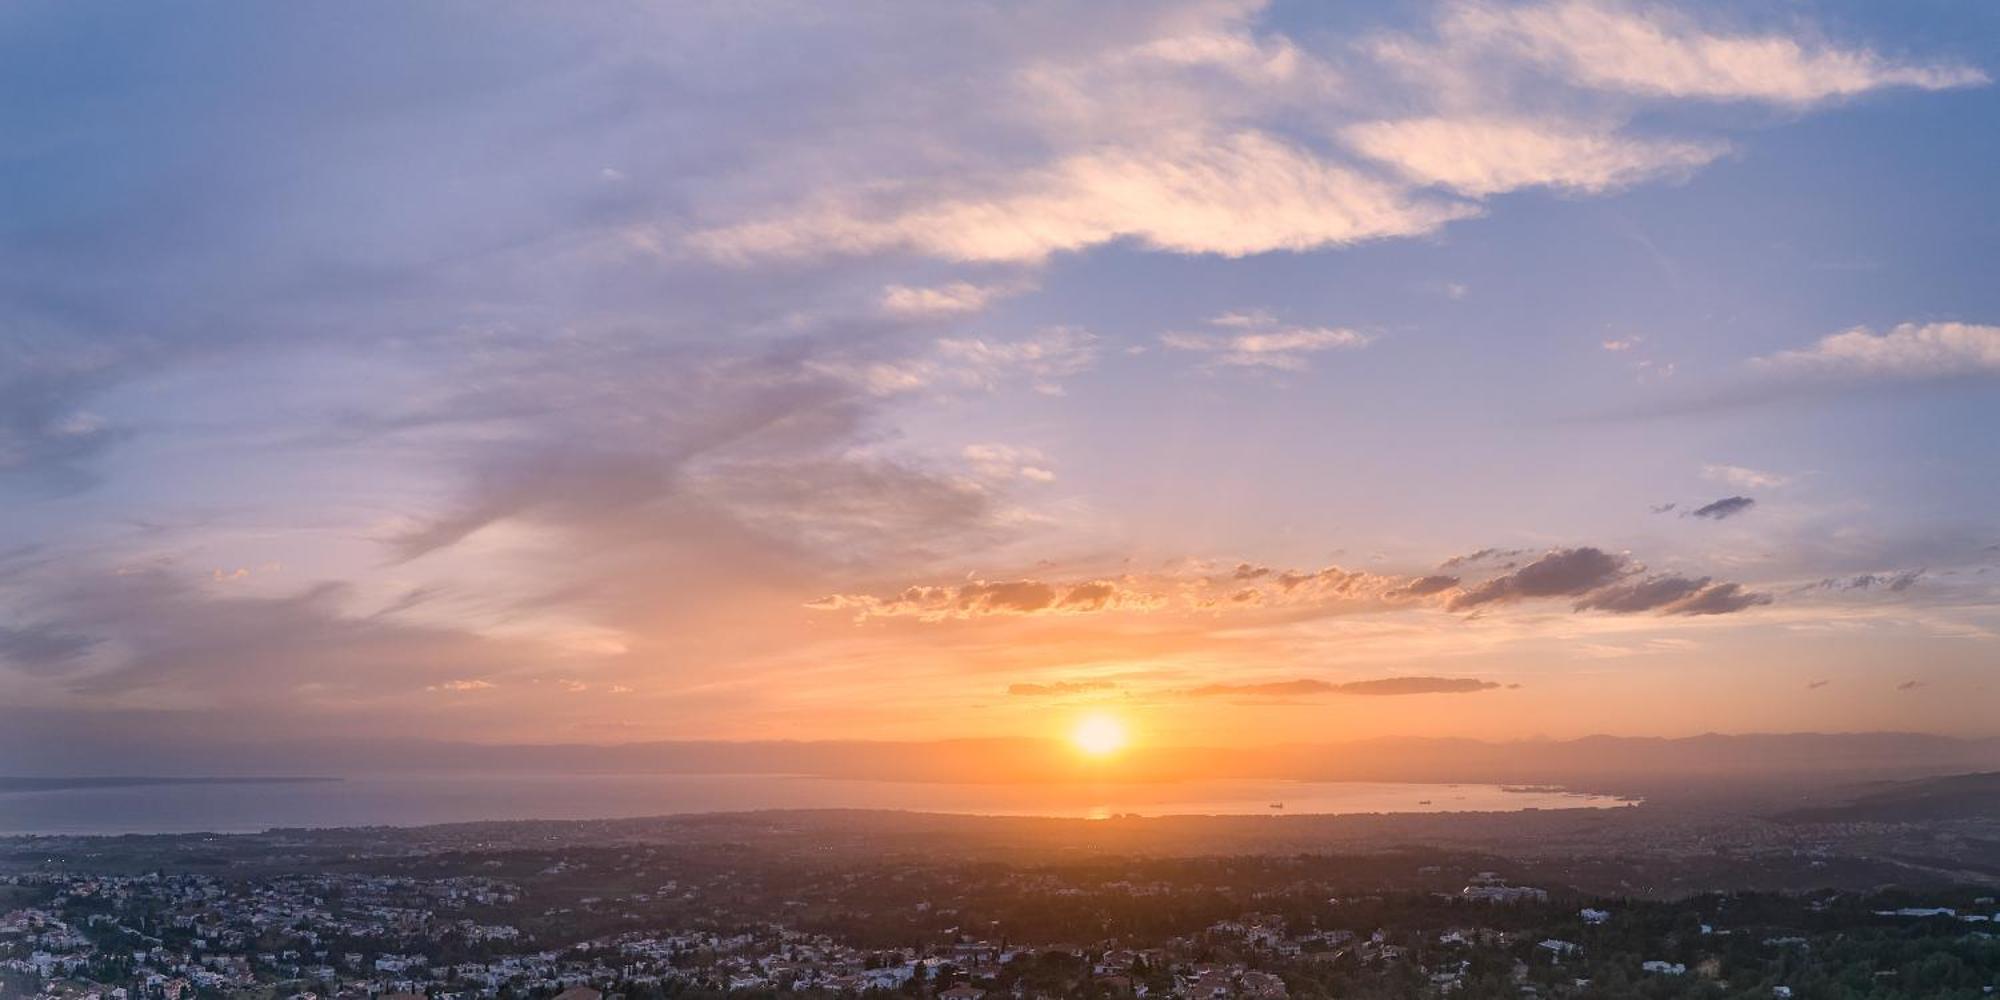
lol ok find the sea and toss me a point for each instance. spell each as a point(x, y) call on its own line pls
point(425, 799)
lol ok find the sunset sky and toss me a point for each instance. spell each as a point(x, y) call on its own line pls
point(1238, 373)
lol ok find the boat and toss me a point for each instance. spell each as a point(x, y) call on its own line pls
point(1277, 805)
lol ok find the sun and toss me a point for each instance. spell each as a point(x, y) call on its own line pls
point(1099, 735)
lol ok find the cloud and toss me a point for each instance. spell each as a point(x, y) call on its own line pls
point(680, 438)
point(1059, 688)
point(1557, 573)
point(1717, 599)
point(981, 598)
point(47, 435)
point(1098, 595)
point(161, 641)
point(1600, 581)
point(1595, 578)
point(461, 686)
point(1481, 555)
point(1656, 52)
point(1910, 351)
point(1383, 687)
point(1243, 588)
point(1513, 96)
point(1672, 595)
point(41, 648)
point(1206, 135)
point(1042, 359)
point(1744, 478)
point(1258, 340)
point(951, 299)
point(1047, 357)
point(1486, 156)
point(1426, 585)
point(1894, 583)
point(1002, 462)
point(1909, 685)
point(1726, 507)
point(1232, 195)
point(1066, 127)
point(1648, 594)
point(1816, 685)
point(1017, 596)
point(1416, 685)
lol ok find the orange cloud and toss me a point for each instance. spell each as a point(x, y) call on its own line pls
point(1244, 587)
point(1385, 686)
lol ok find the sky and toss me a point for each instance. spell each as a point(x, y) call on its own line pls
point(1244, 373)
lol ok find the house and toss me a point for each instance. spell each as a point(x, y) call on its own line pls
point(1263, 985)
point(1211, 983)
point(1504, 893)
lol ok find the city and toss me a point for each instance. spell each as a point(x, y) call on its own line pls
point(807, 904)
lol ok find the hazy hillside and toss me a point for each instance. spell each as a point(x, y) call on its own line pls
point(1958, 796)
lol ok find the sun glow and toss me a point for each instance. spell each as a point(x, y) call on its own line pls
point(1099, 735)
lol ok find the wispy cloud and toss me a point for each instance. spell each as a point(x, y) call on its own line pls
point(1673, 595)
point(1892, 582)
point(981, 598)
point(1257, 339)
point(1383, 687)
point(1910, 351)
point(1195, 146)
point(1234, 194)
point(1745, 478)
point(1043, 360)
point(1655, 51)
point(1487, 156)
point(1002, 462)
point(461, 686)
point(948, 299)
point(42, 648)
